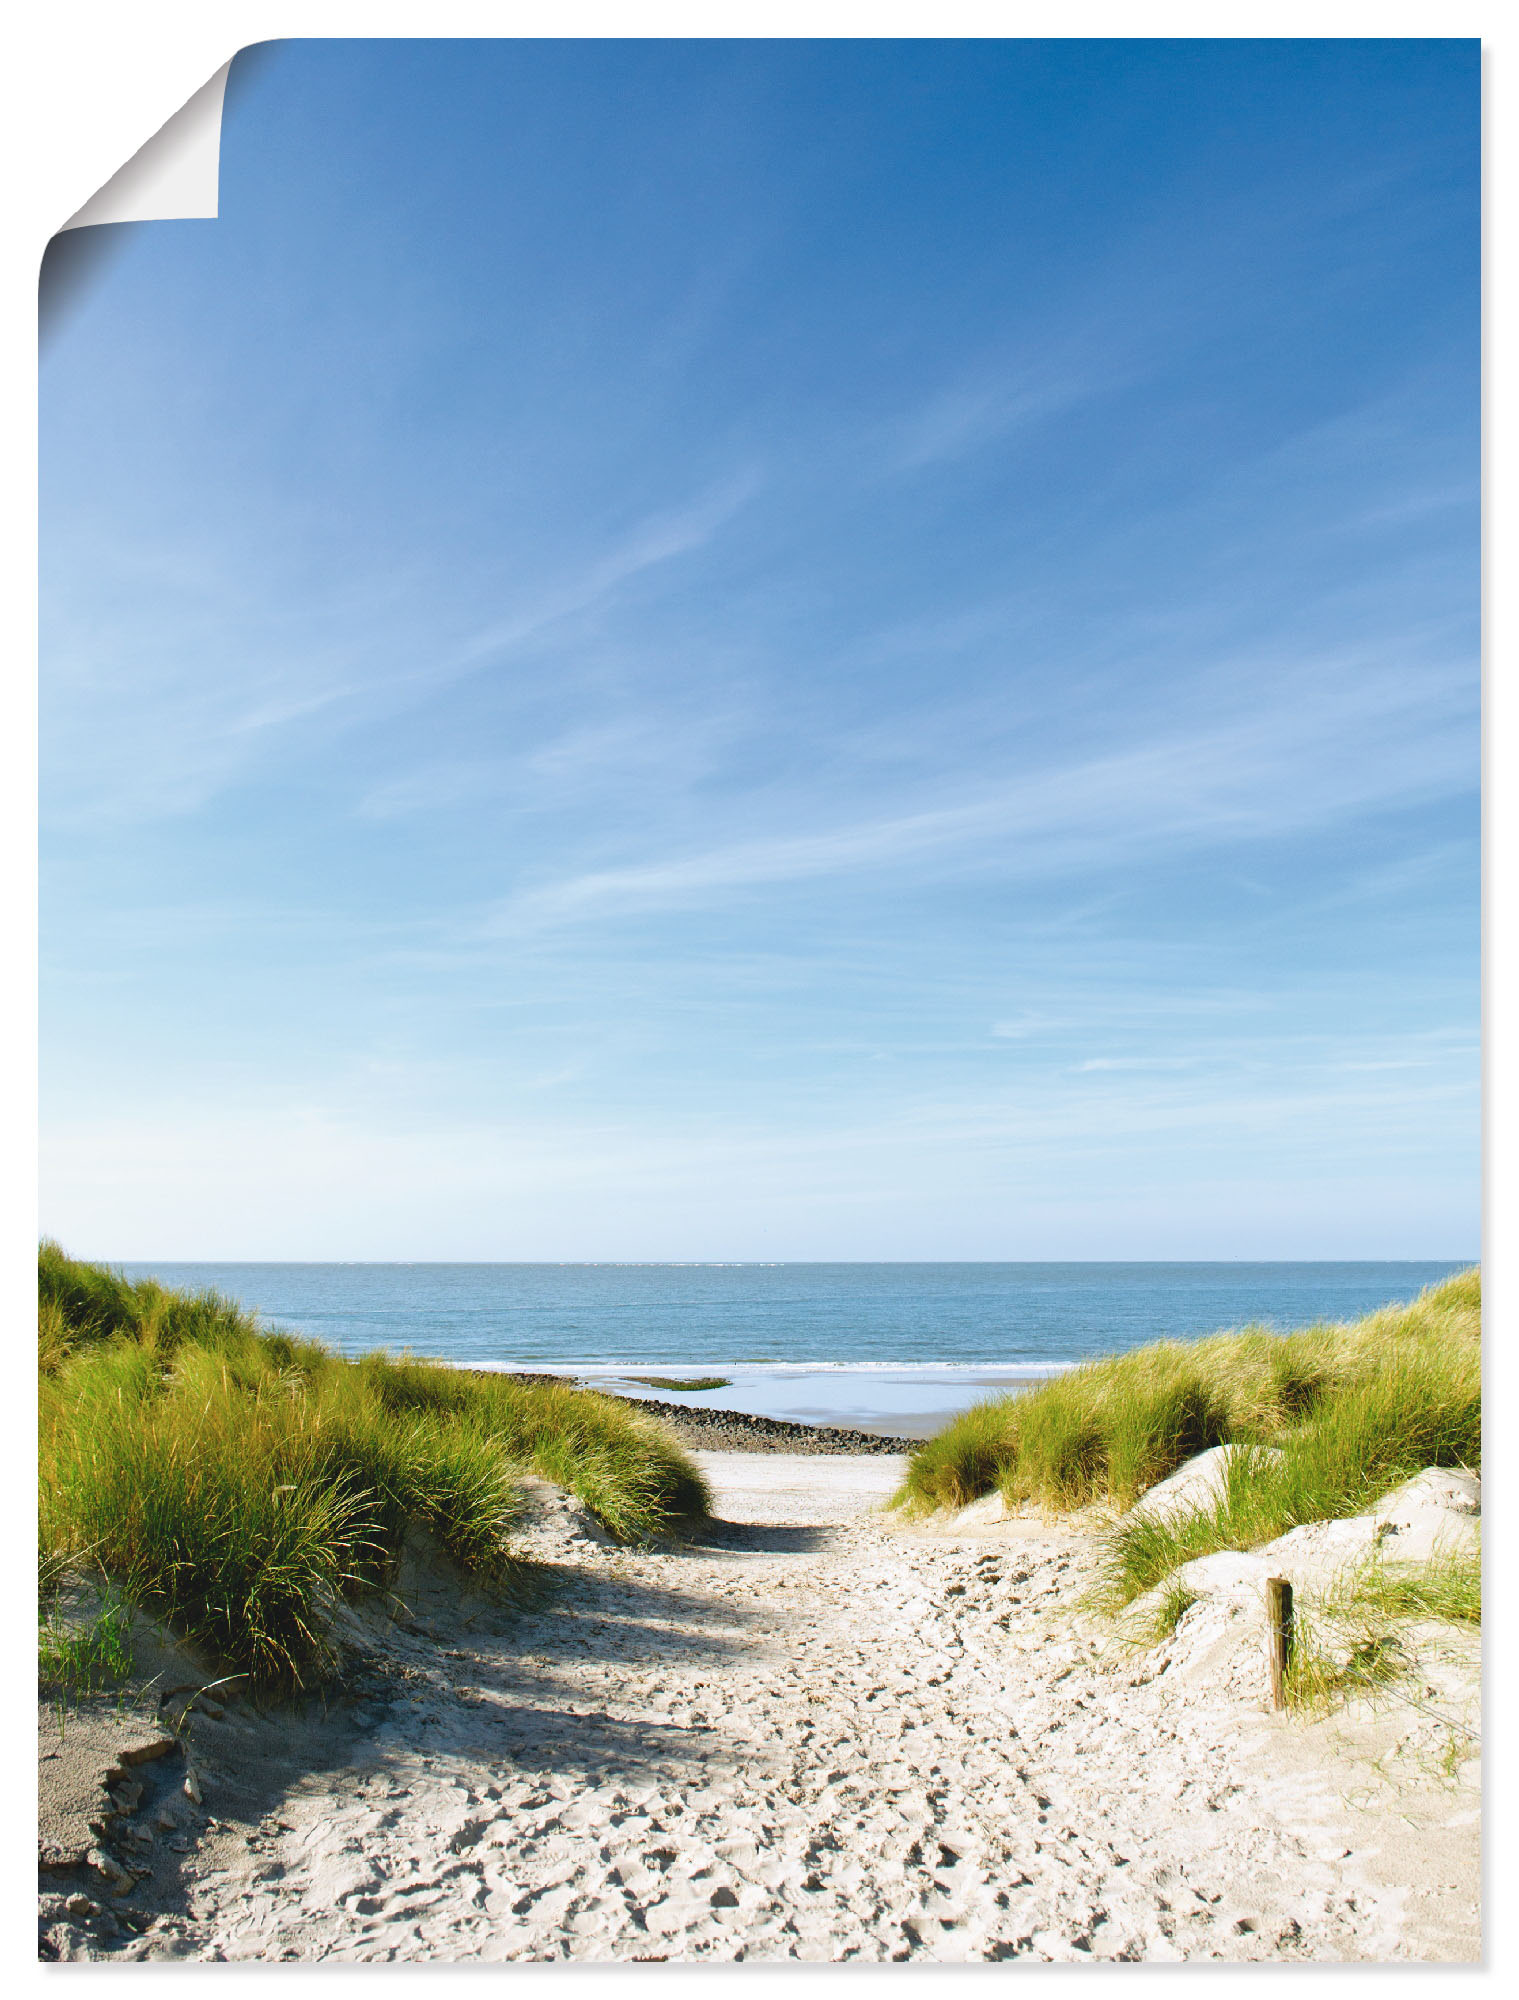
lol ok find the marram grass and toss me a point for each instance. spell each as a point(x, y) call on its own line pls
point(1329, 1419)
point(83, 1658)
point(1415, 1410)
point(239, 1481)
point(1358, 1635)
point(1447, 1587)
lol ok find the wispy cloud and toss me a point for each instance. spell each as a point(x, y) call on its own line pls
point(978, 411)
point(276, 712)
point(1135, 1062)
point(160, 710)
point(659, 538)
point(1024, 1026)
point(1275, 772)
point(633, 754)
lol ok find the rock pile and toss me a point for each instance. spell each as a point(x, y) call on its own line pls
point(732, 1430)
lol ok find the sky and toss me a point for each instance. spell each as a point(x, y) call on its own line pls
point(775, 650)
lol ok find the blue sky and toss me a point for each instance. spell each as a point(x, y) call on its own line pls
point(775, 650)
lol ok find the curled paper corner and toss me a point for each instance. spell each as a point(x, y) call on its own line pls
point(176, 176)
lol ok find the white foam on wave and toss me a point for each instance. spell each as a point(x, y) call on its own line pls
point(915, 1396)
point(991, 1371)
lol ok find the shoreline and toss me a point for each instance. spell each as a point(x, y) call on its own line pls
point(735, 1430)
point(703, 1427)
point(794, 1402)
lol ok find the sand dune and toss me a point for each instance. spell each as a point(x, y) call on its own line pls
point(818, 1736)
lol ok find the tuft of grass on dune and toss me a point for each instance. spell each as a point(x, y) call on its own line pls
point(1447, 1587)
point(1356, 1637)
point(1106, 1430)
point(622, 1463)
point(1326, 1420)
point(1412, 1410)
point(80, 1305)
point(80, 1654)
point(240, 1480)
point(1173, 1606)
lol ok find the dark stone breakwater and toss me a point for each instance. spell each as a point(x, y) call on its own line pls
point(733, 1430)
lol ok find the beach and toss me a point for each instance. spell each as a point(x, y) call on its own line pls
point(816, 1733)
point(761, 1147)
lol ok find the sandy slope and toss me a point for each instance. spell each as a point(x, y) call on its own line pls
point(819, 1737)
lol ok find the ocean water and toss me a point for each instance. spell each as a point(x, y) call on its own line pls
point(894, 1346)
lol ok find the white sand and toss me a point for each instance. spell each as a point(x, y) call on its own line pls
point(824, 1738)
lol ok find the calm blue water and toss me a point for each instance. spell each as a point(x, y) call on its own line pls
point(903, 1344)
point(988, 1315)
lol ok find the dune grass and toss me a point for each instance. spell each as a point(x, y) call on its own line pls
point(83, 1657)
point(626, 1468)
point(1326, 1667)
point(1325, 1421)
point(1338, 1461)
point(1447, 1588)
point(240, 1480)
point(1173, 1605)
point(1354, 1637)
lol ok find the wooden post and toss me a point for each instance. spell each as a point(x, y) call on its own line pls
point(1278, 1636)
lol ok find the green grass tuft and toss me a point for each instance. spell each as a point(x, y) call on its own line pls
point(1356, 1446)
point(1174, 1604)
point(240, 1480)
point(1351, 1409)
point(1351, 1638)
point(1320, 1675)
point(1447, 1588)
point(95, 1655)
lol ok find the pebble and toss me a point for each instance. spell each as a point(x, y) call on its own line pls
point(735, 1430)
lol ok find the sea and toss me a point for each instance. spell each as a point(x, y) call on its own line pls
point(885, 1347)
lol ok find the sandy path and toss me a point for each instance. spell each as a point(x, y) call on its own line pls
point(820, 1738)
